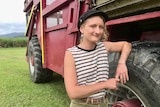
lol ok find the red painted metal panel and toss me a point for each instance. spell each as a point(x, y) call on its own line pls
point(58, 4)
point(134, 18)
point(84, 7)
point(57, 38)
point(30, 31)
point(36, 2)
point(55, 49)
point(73, 16)
point(54, 28)
point(56, 45)
point(38, 27)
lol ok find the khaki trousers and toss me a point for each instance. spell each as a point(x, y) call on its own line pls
point(77, 103)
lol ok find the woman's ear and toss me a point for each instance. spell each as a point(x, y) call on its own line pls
point(82, 29)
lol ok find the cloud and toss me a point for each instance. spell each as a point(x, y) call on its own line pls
point(12, 11)
point(6, 28)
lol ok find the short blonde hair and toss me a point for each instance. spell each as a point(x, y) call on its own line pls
point(105, 35)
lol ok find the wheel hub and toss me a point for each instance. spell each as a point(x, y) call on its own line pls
point(31, 64)
point(124, 97)
point(128, 103)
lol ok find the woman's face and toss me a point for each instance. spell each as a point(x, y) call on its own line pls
point(92, 29)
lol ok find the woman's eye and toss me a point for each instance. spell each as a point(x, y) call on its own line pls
point(101, 27)
point(93, 26)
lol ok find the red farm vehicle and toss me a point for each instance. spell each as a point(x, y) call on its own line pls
point(52, 28)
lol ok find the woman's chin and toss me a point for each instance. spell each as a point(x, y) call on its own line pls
point(95, 40)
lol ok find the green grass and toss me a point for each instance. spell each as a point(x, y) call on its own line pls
point(17, 89)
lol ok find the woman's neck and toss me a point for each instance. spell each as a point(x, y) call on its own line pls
point(87, 45)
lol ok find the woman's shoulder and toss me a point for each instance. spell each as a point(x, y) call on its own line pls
point(71, 49)
point(100, 44)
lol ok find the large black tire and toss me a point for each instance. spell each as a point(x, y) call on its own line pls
point(37, 72)
point(144, 72)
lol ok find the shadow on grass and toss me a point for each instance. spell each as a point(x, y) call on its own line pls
point(56, 79)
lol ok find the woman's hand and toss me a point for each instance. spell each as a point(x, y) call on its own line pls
point(122, 73)
point(112, 83)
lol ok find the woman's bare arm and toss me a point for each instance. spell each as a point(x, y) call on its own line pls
point(124, 48)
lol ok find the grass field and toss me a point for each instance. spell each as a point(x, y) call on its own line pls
point(17, 89)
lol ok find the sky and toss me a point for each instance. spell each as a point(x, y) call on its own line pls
point(12, 17)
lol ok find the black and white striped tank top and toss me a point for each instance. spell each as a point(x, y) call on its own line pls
point(91, 66)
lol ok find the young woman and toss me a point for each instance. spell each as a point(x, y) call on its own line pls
point(86, 67)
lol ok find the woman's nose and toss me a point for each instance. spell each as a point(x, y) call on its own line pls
point(97, 30)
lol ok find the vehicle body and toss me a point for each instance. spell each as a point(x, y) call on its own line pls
point(52, 28)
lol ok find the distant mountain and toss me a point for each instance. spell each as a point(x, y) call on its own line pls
point(12, 29)
point(12, 35)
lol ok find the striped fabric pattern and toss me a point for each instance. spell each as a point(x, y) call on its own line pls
point(91, 66)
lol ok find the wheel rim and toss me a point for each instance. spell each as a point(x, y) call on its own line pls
point(31, 63)
point(122, 93)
